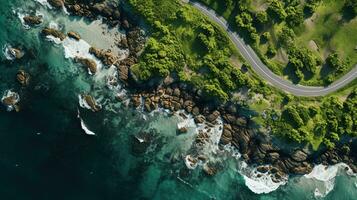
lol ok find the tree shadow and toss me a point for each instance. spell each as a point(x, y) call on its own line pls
point(289, 71)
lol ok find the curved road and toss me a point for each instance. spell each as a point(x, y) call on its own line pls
point(263, 71)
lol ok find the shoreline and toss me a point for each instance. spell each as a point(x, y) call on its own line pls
point(256, 148)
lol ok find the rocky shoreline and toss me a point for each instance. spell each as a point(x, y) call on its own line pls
point(257, 148)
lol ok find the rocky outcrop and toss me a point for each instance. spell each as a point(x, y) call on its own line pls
point(74, 35)
point(106, 56)
point(23, 77)
point(88, 63)
point(56, 3)
point(10, 100)
point(32, 20)
point(17, 53)
point(53, 32)
point(91, 102)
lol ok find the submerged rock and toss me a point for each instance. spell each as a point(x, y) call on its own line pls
point(33, 20)
point(23, 77)
point(88, 63)
point(53, 32)
point(74, 35)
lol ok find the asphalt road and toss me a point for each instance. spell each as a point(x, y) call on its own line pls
point(263, 71)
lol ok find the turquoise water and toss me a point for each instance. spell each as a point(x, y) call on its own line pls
point(45, 154)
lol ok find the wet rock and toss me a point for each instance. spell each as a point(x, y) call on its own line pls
point(226, 137)
point(136, 100)
point(23, 77)
point(107, 57)
point(91, 102)
point(56, 3)
point(231, 119)
point(213, 117)
point(74, 35)
point(302, 169)
point(33, 20)
point(182, 130)
point(273, 156)
point(53, 32)
point(209, 169)
point(88, 63)
point(299, 156)
point(177, 92)
point(241, 121)
point(17, 53)
point(10, 100)
point(195, 111)
point(123, 72)
point(263, 169)
point(199, 119)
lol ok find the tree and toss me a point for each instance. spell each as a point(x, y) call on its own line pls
point(295, 16)
point(276, 10)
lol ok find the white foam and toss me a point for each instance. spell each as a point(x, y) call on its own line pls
point(53, 39)
point(54, 25)
point(263, 184)
point(83, 103)
point(44, 3)
point(21, 16)
point(86, 130)
point(190, 162)
point(8, 52)
point(83, 125)
point(326, 175)
point(74, 48)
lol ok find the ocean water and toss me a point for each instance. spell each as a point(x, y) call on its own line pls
point(48, 150)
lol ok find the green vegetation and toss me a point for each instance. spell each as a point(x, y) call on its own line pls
point(315, 123)
point(303, 35)
point(185, 42)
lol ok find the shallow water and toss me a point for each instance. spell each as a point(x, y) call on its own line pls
point(45, 153)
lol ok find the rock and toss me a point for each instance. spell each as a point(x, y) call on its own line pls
point(226, 137)
point(123, 72)
point(299, 156)
point(209, 169)
point(107, 57)
point(56, 3)
point(17, 53)
point(272, 157)
point(231, 119)
point(177, 92)
point(263, 169)
point(88, 63)
point(74, 35)
point(182, 130)
point(23, 78)
point(32, 20)
point(10, 100)
point(241, 121)
point(195, 111)
point(54, 33)
point(91, 102)
point(212, 117)
point(199, 119)
point(302, 169)
point(136, 100)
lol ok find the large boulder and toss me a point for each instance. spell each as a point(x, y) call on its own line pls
point(56, 3)
point(33, 20)
point(74, 35)
point(23, 77)
point(299, 156)
point(106, 56)
point(88, 63)
point(54, 33)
